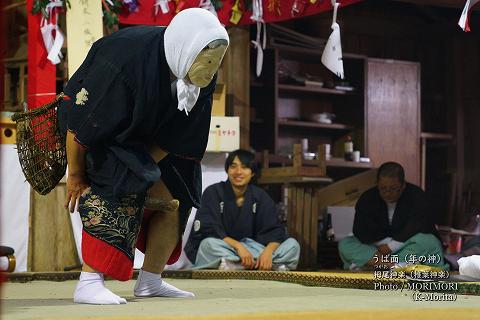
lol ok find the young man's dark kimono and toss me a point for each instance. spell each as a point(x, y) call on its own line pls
point(255, 225)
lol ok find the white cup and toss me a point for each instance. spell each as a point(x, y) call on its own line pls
point(356, 156)
point(327, 152)
point(304, 145)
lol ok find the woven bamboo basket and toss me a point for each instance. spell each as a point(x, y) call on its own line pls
point(41, 147)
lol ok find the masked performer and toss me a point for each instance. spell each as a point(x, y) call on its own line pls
point(137, 122)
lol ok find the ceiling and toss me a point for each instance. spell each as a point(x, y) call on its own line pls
point(439, 3)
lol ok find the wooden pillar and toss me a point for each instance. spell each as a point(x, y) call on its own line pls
point(455, 81)
point(237, 64)
point(51, 243)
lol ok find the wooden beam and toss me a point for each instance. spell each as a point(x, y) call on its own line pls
point(14, 5)
point(437, 3)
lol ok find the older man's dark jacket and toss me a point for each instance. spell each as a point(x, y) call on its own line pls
point(412, 215)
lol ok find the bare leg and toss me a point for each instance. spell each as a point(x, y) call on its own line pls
point(163, 236)
point(163, 233)
point(162, 239)
point(87, 268)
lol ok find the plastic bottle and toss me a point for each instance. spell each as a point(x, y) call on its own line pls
point(330, 233)
point(348, 149)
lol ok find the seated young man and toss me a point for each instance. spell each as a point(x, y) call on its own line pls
point(392, 218)
point(237, 226)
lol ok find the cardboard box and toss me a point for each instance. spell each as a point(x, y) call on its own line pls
point(224, 134)
point(342, 220)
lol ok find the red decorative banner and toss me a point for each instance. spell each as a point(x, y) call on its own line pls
point(41, 88)
point(3, 39)
point(273, 11)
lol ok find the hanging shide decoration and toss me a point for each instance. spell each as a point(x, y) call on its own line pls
point(229, 12)
point(160, 12)
point(163, 5)
point(464, 21)
point(298, 7)
point(208, 5)
point(274, 6)
point(40, 6)
point(261, 40)
point(51, 34)
point(332, 54)
point(236, 13)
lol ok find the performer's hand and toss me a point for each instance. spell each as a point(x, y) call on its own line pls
point(246, 256)
point(264, 261)
point(77, 185)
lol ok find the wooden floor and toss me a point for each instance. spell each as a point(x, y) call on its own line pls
point(232, 299)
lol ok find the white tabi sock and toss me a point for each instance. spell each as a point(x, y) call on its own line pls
point(91, 289)
point(151, 285)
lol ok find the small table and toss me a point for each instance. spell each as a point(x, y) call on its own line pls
point(301, 201)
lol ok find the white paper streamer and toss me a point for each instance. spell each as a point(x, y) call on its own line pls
point(163, 5)
point(207, 5)
point(260, 42)
point(463, 22)
point(332, 54)
point(47, 26)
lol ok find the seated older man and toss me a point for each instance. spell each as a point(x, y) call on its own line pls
point(237, 226)
point(392, 218)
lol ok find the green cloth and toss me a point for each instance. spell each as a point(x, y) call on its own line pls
point(421, 246)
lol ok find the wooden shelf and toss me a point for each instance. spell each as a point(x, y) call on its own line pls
point(307, 124)
point(275, 180)
point(436, 136)
point(331, 163)
point(311, 89)
point(340, 163)
point(294, 49)
point(312, 51)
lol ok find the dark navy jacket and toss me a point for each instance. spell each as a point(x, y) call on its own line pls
point(220, 217)
point(412, 215)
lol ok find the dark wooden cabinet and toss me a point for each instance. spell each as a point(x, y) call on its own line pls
point(392, 114)
point(378, 105)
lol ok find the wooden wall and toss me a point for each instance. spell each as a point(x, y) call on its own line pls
point(466, 53)
point(450, 99)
